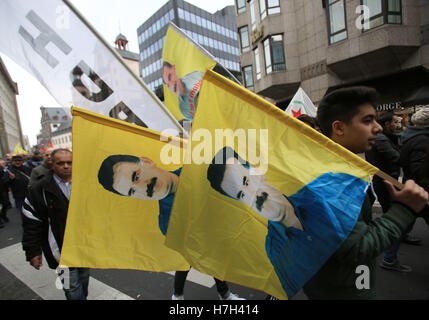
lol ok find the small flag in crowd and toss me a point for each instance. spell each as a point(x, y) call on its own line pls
point(301, 104)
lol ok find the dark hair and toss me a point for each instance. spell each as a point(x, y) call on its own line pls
point(105, 174)
point(217, 168)
point(307, 120)
point(166, 64)
point(386, 117)
point(58, 150)
point(343, 104)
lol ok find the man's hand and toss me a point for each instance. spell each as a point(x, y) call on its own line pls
point(412, 195)
point(36, 262)
point(12, 176)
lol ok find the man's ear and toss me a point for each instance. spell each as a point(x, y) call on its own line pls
point(338, 128)
point(147, 160)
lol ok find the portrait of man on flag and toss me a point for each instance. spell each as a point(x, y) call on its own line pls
point(140, 177)
point(295, 243)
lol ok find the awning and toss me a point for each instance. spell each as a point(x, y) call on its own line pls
point(419, 96)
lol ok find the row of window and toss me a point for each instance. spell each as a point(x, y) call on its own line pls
point(158, 25)
point(64, 139)
point(375, 13)
point(213, 43)
point(207, 24)
point(266, 7)
point(155, 47)
point(154, 84)
point(274, 59)
point(156, 66)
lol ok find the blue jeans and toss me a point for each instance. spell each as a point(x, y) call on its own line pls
point(78, 286)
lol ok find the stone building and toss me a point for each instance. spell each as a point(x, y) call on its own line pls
point(10, 124)
point(322, 45)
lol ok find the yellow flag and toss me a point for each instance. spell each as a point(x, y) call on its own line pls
point(183, 67)
point(18, 149)
point(266, 199)
point(115, 219)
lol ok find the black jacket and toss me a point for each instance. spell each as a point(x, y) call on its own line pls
point(385, 155)
point(415, 147)
point(44, 220)
point(20, 183)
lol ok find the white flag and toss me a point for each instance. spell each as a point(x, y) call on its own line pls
point(301, 104)
point(52, 41)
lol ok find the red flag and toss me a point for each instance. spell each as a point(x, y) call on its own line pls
point(50, 145)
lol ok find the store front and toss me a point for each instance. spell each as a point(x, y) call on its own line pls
point(402, 93)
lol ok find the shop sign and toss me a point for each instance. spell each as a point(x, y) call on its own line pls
point(389, 106)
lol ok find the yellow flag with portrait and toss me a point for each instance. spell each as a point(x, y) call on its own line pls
point(121, 196)
point(266, 199)
point(184, 64)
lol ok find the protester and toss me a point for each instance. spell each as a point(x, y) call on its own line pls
point(34, 161)
point(415, 149)
point(308, 120)
point(347, 116)
point(46, 208)
point(17, 179)
point(4, 194)
point(41, 170)
point(385, 156)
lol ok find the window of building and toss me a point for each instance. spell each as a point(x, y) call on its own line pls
point(274, 54)
point(273, 7)
point(337, 21)
point(382, 12)
point(248, 78)
point(257, 64)
point(241, 6)
point(244, 39)
point(262, 9)
point(252, 14)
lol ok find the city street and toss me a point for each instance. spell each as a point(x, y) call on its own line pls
point(19, 281)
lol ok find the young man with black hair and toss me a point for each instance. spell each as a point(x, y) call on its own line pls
point(348, 117)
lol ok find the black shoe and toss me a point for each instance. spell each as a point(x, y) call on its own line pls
point(5, 219)
point(411, 240)
point(1, 225)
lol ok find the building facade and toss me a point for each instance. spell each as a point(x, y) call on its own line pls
point(10, 124)
point(321, 45)
point(217, 33)
point(62, 137)
point(52, 119)
point(131, 58)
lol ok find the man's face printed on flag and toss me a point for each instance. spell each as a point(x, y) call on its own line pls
point(143, 180)
point(172, 81)
point(244, 183)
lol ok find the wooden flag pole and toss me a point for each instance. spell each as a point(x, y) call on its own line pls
point(385, 176)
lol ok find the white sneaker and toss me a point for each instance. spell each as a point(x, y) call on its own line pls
point(231, 296)
point(174, 297)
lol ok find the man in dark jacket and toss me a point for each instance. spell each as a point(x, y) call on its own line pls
point(385, 156)
point(41, 170)
point(4, 193)
point(347, 116)
point(415, 149)
point(17, 178)
point(35, 160)
point(44, 220)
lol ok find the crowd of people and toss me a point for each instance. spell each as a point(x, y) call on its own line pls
point(41, 187)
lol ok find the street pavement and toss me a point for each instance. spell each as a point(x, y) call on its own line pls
point(19, 281)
